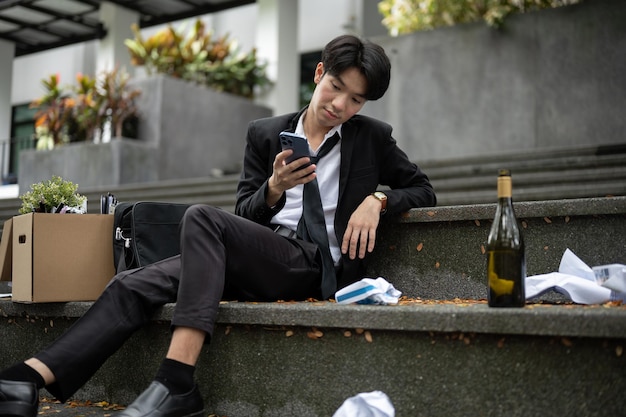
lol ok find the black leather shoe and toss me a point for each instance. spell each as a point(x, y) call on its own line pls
point(18, 399)
point(156, 401)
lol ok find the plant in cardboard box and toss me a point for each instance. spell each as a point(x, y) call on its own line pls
point(199, 57)
point(53, 196)
point(58, 258)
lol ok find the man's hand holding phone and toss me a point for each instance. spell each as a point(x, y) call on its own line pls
point(297, 144)
point(285, 176)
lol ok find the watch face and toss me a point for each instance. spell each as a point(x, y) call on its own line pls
point(383, 200)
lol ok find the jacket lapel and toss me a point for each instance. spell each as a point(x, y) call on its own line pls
point(348, 141)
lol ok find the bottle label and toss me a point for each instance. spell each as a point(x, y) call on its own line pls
point(506, 271)
point(505, 187)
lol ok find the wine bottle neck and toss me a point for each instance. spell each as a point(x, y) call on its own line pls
point(505, 188)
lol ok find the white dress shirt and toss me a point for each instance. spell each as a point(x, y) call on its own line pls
point(328, 183)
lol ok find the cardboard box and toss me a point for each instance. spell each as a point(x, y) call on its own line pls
point(61, 257)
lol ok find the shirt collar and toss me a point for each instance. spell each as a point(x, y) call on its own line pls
point(300, 128)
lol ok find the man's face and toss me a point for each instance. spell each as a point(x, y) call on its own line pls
point(337, 98)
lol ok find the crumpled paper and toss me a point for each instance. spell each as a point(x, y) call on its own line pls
point(368, 291)
point(367, 404)
point(63, 209)
point(612, 276)
point(577, 281)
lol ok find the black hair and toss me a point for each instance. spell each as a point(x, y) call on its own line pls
point(348, 51)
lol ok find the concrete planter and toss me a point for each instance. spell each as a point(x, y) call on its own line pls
point(198, 131)
point(90, 165)
point(549, 79)
point(185, 131)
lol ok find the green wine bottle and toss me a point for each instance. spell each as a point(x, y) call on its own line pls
point(506, 259)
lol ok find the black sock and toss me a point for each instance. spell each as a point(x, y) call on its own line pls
point(176, 376)
point(22, 372)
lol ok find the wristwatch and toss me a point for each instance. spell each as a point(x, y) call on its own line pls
point(380, 196)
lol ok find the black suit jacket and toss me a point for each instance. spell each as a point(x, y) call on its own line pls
point(369, 158)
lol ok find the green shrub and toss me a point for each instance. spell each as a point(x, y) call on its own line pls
point(406, 16)
point(200, 57)
point(48, 195)
point(75, 113)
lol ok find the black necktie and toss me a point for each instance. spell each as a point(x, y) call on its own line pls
point(312, 226)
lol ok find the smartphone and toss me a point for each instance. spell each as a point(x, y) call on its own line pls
point(297, 143)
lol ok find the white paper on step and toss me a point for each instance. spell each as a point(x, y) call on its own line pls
point(577, 280)
point(367, 404)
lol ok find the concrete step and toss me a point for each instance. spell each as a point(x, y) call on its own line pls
point(524, 180)
point(563, 173)
point(584, 188)
point(304, 359)
point(438, 253)
point(433, 356)
point(546, 175)
point(529, 160)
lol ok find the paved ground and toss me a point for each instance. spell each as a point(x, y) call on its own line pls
point(76, 409)
point(49, 407)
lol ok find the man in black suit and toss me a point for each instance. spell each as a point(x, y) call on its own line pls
point(265, 252)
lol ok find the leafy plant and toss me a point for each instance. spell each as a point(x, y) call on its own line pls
point(200, 57)
point(117, 100)
point(55, 107)
point(406, 16)
point(86, 118)
point(76, 113)
point(48, 195)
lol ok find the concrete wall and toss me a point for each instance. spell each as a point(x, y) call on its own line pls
point(196, 129)
point(89, 165)
point(552, 78)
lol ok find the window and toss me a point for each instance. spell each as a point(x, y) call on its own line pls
point(22, 137)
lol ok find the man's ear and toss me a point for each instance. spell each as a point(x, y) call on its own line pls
point(319, 72)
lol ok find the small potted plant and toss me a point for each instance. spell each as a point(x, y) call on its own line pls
point(53, 196)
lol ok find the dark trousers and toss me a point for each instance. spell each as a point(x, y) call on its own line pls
point(223, 256)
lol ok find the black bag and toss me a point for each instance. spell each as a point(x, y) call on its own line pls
point(145, 232)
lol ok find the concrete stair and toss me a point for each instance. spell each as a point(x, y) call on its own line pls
point(441, 353)
point(566, 173)
point(537, 175)
point(444, 353)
